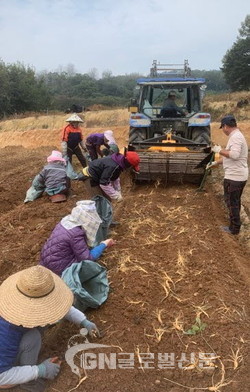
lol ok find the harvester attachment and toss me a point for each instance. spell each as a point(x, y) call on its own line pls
point(171, 160)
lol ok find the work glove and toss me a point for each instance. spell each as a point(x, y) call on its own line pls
point(216, 149)
point(48, 369)
point(83, 146)
point(118, 196)
point(64, 146)
point(88, 157)
point(91, 328)
point(211, 165)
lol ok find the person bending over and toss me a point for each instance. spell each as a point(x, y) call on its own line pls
point(30, 300)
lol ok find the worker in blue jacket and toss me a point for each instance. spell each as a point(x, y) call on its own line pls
point(30, 300)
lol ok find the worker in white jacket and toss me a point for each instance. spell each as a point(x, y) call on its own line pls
point(234, 160)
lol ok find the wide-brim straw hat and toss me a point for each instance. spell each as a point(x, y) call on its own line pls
point(34, 297)
point(74, 118)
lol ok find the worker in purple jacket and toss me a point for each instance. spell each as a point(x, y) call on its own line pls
point(72, 238)
point(94, 142)
point(30, 300)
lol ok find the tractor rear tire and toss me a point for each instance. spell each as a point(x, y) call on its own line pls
point(137, 135)
point(201, 135)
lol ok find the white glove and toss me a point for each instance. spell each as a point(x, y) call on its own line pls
point(217, 149)
point(109, 242)
point(91, 328)
point(83, 146)
point(211, 165)
point(119, 197)
point(64, 149)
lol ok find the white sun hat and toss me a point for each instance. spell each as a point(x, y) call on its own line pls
point(86, 216)
point(109, 135)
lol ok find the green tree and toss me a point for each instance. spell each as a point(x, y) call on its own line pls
point(83, 86)
point(26, 92)
point(4, 90)
point(20, 90)
point(214, 79)
point(244, 30)
point(236, 62)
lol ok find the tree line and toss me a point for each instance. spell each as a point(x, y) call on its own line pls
point(22, 90)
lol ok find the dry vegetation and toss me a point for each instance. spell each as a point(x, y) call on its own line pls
point(221, 104)
point(52, 121)
point(46, 128)
point(170, 272)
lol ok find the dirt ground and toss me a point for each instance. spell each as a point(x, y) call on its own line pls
point(170, 265)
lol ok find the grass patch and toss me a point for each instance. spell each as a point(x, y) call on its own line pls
point(197, 327)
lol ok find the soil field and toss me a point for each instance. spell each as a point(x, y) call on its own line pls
point(171, 268)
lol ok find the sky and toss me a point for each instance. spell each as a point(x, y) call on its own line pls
point(118, 36)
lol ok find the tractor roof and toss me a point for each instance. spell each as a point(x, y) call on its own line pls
point(170, 80)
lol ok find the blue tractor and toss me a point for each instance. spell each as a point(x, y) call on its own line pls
point(168, 128)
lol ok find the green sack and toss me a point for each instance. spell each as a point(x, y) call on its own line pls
point(35, 191)
point(89, 283)
point(70, 171)
point(105, 212)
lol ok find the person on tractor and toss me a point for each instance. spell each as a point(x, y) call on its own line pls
point(170, 109)
point(72, 140)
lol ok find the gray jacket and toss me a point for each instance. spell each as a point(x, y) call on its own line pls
point(53, 177)
point(170, 104)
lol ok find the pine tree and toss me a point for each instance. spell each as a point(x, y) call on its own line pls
point(236, 62)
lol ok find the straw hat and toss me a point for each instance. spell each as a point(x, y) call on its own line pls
point(34, 297)
point(74, 118)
